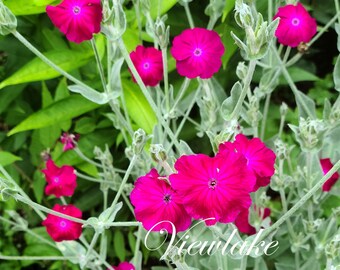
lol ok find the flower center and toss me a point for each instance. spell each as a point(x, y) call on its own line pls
point(146, 65)
point(76, 10)
point(167, 198)
point(212, 183)
point(62, 224)
point(56, 179)
point(295, 22)
point(197, 52)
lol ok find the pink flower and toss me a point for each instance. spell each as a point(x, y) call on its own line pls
point(198, 53)
point(155, 201)
point(60, 181)
point(69, 141)
point(242, 220)
point(77, 19)
point(295, 26)
point(61, 229)
point(260, 158)
point(149, 64)
point(326, 165)
point(215, 187)
point(124, 266)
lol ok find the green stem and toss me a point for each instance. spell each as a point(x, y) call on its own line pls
point(137, 246)
point(188, 13)
point(247, 81)
point(46, 210)
point(301, 202)
point(92, 179)
point(181, 125)
point(90, 248)
point(166, 83)
point(47, 61)
point(265, 115)
point(85, 158)
point(20, 190)
point(337, 8)
point(146, 93)
point(99, 65)
point(36, 258)
point(126, 177)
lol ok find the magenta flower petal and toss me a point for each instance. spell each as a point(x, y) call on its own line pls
point(77, 19)
point(295, 26)
point(69, 141)
point(326, 165)
point(242, 220)
point(60, 181)
point(198, 53)
point(149, 64)
point(156, 201)
point(260, 159)
point(124, 266)
point(61, 229)
point(215, 187)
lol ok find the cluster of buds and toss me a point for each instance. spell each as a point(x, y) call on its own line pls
point(259, 34)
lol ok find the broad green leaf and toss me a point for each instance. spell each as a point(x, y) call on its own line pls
point(164, 6)
point(37, 70)
point(119, 245)
point(7, 158)
point(90, 94)
point(88, 169)
point(57, 112)
point(85, 125)
point(299, 75)
point(130, 38)
point(24, 7)
point(138, 107)
point(306, 105)
point(38, 185)
point(336, 74)
point(46, 96)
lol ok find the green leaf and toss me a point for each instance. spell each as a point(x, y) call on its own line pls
point(7, 158)
point(90, 94)
point(85, 125)
point(336, 74)
point(131, 39)
point(229, 104)
point(119, 245)
point(299, 75)
point(138, 107)
point(59, 111)
point(306, 105)
point(24, 7)
point(38, 185)
point(165, 6)
point(37, 70)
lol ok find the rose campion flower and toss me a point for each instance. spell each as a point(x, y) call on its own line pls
point(77, 19)
point(60, 181)
point(326, 165)
point(242, 220)
point(149, 64)
point(61, 229)
point(295, 26)
point(214, 187)
point(259, 157)
point(156, 201)
point(198, 53)
point(124, 266)
point(69, 141)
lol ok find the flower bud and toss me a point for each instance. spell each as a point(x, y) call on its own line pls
point(283, 109)
point(8, 22)
point(158, 153)
point(139, 141)
point(241, 70)
point(309, 133)
point(161, 32)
